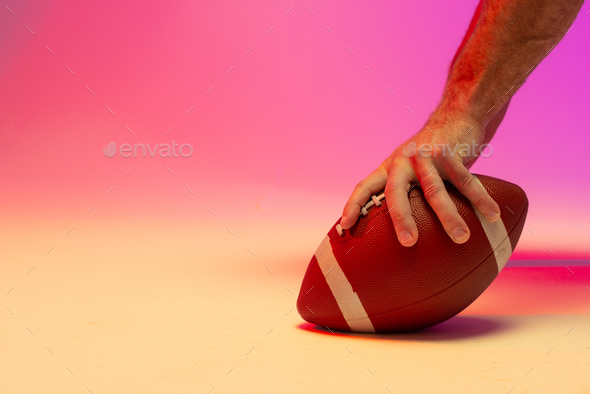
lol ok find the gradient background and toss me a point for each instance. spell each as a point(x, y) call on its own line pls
point(279, 144)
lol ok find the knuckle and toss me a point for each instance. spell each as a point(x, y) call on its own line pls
point(352, 207)
point(391, 187)
point(398, 160)
point(398, 219)
point(451, 220)
point(481, 200)
point(465, 182)
point(360, 185)
point(431, 190)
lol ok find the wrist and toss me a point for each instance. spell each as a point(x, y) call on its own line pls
point(461, 123)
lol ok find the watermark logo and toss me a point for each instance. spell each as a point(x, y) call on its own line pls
point(110, 150)
point(162, 150)
point(444, 150)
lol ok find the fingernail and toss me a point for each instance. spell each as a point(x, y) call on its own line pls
point(343, 220)
point(459, 234)
point(405, 237)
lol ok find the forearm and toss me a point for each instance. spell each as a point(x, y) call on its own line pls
point(468, 34)
point(510, 39)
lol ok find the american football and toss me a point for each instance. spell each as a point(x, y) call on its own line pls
point(364, 280)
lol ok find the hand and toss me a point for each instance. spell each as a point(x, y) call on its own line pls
point(451, 149)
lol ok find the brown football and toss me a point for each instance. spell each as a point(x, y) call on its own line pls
point(364, 280)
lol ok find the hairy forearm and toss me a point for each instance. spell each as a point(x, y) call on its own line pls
point(510, 38)
point(468, 34)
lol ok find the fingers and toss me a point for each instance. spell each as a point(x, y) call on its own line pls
point(395, 192)
point(438, 198)
point(400, 211)
point(362, 192)
point(396, 176)
point(467, 185)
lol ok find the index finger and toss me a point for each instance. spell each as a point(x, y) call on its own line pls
point(396, 192)
point(362, 192)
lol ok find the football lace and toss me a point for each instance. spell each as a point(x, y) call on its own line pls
point(374, 201)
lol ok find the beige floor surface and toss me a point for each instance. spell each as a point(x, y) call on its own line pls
point(144, 315)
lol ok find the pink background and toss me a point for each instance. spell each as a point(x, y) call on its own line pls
point(145, 290)
point(285, 135)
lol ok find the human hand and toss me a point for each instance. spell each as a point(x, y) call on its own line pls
point(437, 152)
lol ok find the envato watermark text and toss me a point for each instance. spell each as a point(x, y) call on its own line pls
point(444, 150)
point(163, 150)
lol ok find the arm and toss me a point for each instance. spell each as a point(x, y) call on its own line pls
point(468, 34)
point(494, 123)
point(509, 38)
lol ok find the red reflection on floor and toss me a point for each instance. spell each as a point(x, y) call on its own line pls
point(536, 290)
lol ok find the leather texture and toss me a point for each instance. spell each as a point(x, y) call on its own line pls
point(405, 289)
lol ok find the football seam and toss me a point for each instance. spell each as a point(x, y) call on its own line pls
point(450, 286)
